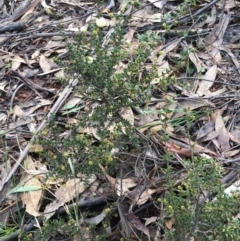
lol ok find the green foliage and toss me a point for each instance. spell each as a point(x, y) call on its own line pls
point(97, 64)
point(193, 210)
point(112, 75)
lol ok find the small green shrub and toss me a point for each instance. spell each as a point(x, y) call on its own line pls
point(192, 209)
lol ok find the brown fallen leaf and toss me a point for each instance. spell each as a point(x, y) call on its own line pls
point(135, 222)
point(67, 192)
point(150, 220)
point(223, 138)
point(44, 63)
point(205, 85)
point(31, 199)
point(205, 129)
point(183, 152)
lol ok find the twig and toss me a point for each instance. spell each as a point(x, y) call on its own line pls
point(14, 94)
point(201, 10)
point(29, 83)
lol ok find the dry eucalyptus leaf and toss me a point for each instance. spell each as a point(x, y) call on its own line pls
point(159, 4)
point(207, 81)
point(67, 192)
point(31, 199)
point(44, 63)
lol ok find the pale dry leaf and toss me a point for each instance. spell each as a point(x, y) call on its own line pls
point(169, 224)
point(189, 105)
point(214, 40)
point(148, 115)
point(44, 63)
point(97, 219)
point(235, 187)
point(19, 59)
point(43, 102)
point(5, 167)
point(92, 128)
point(91, 18)
point(94, 186)
point(73, 187)
point(235, 135)
point(67, 192)
point(140, 16)
point(212, 135)
point(17, 111)
point(159, 4)
point(31, 9)
point(112, 180)
point(71, 103)
point(227, 4)
point(135, 222)
point(205, 85)
point(155, 18)
point(60, 74)
point(55, 44)
point(16, 62)
point(211, 19)
point(223, 138)
point(123, 5)
point(35, 54)
point(1, 63)
point(129, 35)
point(233, 57)
point(50, 71)
point(123, 185)
point(44, 4)
point(168, 49)
point(163, 69)
point(205, 129)
point(231, 153)
point(31, 199)
point(215, 53)
point(125, 228)
point(145, 196)
point(196, 61)
point(127, 114)
point(150, 220)
point(74, 3)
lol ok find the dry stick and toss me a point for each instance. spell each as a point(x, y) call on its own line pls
point(201, 10)
point(63, 96)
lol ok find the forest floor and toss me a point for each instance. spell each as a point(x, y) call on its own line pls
point(133, 141)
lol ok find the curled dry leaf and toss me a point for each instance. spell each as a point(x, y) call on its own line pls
point(223, 137)
point(45, 63)
point(159, 4)
point(150, 220)
point(31, 199)
point(67, 192)
point(135, 222)
point(207, 81)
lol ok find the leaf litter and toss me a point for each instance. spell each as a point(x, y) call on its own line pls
point(30, 40)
